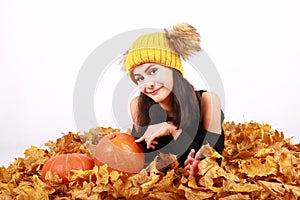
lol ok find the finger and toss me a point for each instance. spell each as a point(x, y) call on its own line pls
point(194, 168)
point(187, 167)
point(154, 142)
point(190, 157)
point(188, 161)
point(192, 153)
point(140, 139)
point(150, 145)
point(198, 155)
point(150, 141)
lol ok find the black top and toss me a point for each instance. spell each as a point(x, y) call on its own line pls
point(190, 138)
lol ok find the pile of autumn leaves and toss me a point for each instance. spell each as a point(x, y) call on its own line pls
point(258, 163)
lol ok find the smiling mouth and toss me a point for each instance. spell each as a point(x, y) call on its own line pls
point(154, 91)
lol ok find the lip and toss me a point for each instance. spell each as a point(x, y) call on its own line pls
point(154, 91)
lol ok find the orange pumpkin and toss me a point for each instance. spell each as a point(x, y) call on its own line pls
point(64, 163)
point(120, 152)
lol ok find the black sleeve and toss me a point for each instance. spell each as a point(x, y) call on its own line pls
point(137, 135)
point(134, 132)
point(180, 147)
point(214, 140)
point(185, 143)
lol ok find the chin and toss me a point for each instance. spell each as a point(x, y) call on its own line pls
point(157, 100)
point(160, 98)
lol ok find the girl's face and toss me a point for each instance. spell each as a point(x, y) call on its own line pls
point(154, 80)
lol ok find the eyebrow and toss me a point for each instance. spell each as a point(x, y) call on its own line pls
point(152, 65)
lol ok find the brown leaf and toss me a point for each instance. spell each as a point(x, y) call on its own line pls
point(257, 163)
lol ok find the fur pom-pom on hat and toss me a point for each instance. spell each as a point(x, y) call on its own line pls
point(184, 39)
point(164, 48)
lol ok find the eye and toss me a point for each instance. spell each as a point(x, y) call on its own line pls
point(152, 71)
point(139, 79)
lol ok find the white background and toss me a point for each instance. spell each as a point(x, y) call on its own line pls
point(254, 44)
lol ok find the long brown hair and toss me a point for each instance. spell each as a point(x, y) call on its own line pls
point(185, 105)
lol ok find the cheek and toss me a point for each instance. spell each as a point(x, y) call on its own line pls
point(168, 79)
point(141, 88)
point(169, 84)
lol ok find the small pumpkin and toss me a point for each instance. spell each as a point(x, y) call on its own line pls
point(62, 164)
point(120, 152)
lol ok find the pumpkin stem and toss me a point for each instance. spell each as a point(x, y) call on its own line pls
point(111, 135)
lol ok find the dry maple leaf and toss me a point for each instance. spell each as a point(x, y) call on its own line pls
point(257, 163)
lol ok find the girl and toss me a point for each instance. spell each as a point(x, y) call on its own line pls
point(169, 115)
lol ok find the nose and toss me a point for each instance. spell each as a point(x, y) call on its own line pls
point(147, 85)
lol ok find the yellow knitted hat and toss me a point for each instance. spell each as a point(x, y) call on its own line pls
point(153, 48)
point(164, 48)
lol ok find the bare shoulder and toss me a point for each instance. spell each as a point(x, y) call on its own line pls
point(134, 103)
point(211, 112)
point(210, 99)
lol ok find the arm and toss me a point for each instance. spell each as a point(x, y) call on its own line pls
point(211, 112)
point(211, 122)
point(154, 131)
point(134, 109)
point(157, 131)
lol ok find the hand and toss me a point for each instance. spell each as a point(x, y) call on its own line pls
point(156, 131)
point(192, 161)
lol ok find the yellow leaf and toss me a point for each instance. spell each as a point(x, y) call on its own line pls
point(294, 189)
point(102, 174)
point(236, 197)
point(192, 194)
point(148, 185)
point(166, 183)
point(275, 189)
point(243, 187)
point(254, 167)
